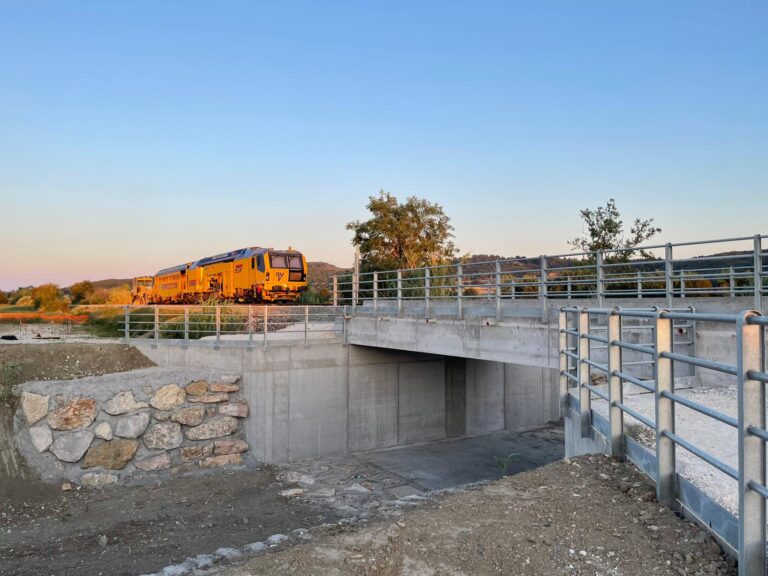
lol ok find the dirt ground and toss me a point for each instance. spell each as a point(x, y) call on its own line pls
point(62, 361)
point(591, 516)
point(141, 529)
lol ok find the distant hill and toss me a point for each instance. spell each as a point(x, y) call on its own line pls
point(320, 273)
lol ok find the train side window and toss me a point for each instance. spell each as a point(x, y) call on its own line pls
point(253, 263)
point(260, 262)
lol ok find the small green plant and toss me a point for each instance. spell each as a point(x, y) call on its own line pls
point(504, 462)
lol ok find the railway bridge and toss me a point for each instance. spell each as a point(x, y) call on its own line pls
point(608, 343)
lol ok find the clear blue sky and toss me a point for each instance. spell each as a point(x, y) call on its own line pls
point(136, 135)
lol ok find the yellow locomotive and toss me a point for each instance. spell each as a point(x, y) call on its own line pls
point(245, 275)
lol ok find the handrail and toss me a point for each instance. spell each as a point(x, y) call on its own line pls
point(749, 368)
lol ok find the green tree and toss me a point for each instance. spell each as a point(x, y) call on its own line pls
point(605, 230)
point(3, 297)
point(413, 234)
point(81, 291)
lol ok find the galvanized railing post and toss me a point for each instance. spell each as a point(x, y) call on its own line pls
point(563, 342)
point(399, 292)
point(186, 323)
point(752, 517)
point(543, 279)
point(758, 272)
point(600, 278)
point(639, 285)
point(615, 388)
point(665, 412)
point(682, 283)
point(265, 321)
point(731, 282)
point(250, 325)
point(669, 284)
point(427, 291)
point(498, 291)
point(127, 326)
point(459, 291)
point(585, 398)
point(218, 324)
point(157, 322)
point(335, 291)
point(375, 293)
point(306, 325)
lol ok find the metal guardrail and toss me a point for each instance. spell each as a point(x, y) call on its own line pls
point(598, 275)
point(576, 368)
point(218, 325)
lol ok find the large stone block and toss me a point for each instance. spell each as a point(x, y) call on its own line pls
point(163, 436)
point(168, 397)
point(103, 430)
point(213, 428)
point(71, 447)
point(237, 409)
point(132, 426)
point(97, 479)
point(191, 416)
point(34, 407)
point(159, 462)
point(197, 388)
point(77, 413)
point(210, 398)
point(196, 452)
point(224, 460)
point(122, 403)
point(229, 447)
point(111, 454)
point(41, 437)
point(224, 387)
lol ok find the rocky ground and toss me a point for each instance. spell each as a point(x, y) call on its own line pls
point(590, 516)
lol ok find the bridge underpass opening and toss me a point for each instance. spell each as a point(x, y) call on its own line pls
point(328, 399)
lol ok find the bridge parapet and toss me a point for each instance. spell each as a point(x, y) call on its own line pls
point(667, 274)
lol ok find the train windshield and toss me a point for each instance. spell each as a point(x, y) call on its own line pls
point(290, 261)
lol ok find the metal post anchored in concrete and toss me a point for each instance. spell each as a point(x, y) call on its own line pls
point(186, 324)
point(758, 272)
point(665, 412)
point(563, 342)
point(335, 291)
point(585, 398)
point(399, 292)
point(750, 344)
point(600, 279)
point(615, 388)
point(157, 323)
point(127, 327)
point(265, 321)
point(459, 291)
point(375, 293)
point(668, 280)
point(498, 290)
point(427, 289)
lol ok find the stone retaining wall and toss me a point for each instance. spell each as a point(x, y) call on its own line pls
point(104, 429)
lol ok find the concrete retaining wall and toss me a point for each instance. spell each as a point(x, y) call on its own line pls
point(327, 398)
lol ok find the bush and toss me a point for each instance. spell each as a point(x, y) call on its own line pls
point(120, 295)
point(3, 298)
point(25, 302)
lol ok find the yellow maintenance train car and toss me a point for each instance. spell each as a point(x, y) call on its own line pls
point(245, 275)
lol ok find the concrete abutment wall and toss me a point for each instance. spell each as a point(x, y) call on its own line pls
point(320, 399)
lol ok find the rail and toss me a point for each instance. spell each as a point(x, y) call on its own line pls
point(230, 325)
point(659, 271)
point(576, 369)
